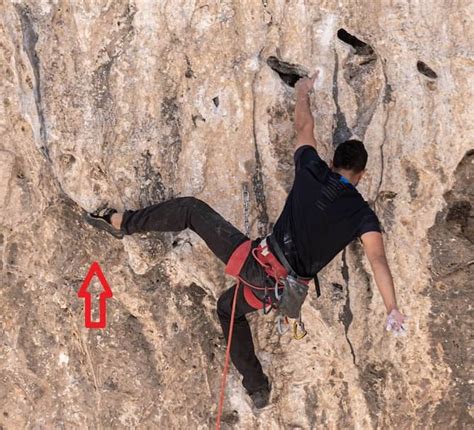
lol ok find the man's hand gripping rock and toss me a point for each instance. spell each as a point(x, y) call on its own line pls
point(305, 85)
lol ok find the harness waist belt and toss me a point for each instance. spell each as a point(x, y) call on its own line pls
point(282, 258)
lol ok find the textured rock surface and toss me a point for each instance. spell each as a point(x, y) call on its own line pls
point(131, 103)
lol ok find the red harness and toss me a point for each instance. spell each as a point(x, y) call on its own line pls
point(265, 258)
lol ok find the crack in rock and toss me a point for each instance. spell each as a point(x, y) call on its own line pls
point(346, 315)
point(362, 75)
point(257, 177)
point(341, 131)
point(30, 38)
point(384, 138)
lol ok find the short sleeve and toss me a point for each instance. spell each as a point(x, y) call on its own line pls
point(304, 155)
point(369, 222)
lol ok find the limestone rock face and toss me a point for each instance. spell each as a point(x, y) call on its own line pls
point(130, 103)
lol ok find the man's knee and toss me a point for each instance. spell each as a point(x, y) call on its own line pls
point(193, 205)
point(190, 202)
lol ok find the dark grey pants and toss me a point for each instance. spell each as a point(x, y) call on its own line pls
point(222, 238)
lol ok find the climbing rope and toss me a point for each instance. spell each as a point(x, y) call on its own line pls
point(227, 359)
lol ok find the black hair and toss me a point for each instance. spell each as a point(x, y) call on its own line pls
point(350, 155)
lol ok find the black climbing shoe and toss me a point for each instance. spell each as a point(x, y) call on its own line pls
point(261, 397)
point(102, 220)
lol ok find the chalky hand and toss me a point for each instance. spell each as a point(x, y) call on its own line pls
point(396, 323)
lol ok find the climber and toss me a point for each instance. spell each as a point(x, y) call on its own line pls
point(323, 213)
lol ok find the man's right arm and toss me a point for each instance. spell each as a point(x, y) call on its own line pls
point(375, 251)
point(304, 121)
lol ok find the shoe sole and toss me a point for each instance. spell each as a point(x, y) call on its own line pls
point(259, 408)
point(103, 225)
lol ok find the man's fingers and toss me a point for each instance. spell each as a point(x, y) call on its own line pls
point(306, 83)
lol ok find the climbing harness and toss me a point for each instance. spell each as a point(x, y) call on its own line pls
point(289, 289)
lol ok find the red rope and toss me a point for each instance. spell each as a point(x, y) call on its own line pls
point(227, 358)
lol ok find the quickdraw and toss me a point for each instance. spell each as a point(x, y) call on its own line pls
point(301, 333)
point(283, 326)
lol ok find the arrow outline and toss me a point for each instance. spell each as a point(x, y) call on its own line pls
point(106, 294)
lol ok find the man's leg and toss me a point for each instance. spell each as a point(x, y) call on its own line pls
point(222, 238)
point(242, 351)
point(178, 214)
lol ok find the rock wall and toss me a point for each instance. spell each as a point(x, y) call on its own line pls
point(129, 103)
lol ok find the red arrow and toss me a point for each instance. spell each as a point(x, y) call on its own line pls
point(106, 294)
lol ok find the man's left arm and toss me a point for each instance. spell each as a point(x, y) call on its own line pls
point(304, 121)
point(375, 251)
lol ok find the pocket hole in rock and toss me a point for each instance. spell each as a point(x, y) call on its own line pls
point(289, 73)
point(360, 47)
point(215, 100)
point(424, 69)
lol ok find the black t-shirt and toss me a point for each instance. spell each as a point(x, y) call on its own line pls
point(323, 213)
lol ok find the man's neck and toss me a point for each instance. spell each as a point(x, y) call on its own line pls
point(349, 175)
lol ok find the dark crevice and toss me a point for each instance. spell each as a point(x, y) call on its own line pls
point(346, 315)
point(288, 72)
point(368, 61)
point(341, 131)
point(171, 141)
point(424, 69)
point(384, 137)
point(257, 177)
point(215, 100)
point(196, 118)
point(30, 38)
point(387, 97)
point(152, 188)
point(189, 73)
point(361, 48)
point(246, 202)
point(259, 191)
point(360, 72)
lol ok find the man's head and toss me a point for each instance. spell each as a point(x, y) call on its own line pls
point(350, 160)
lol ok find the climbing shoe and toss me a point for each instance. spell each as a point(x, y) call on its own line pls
point(102, 220)
point(261, 397)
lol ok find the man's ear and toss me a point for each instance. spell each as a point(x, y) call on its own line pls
point(358, 176)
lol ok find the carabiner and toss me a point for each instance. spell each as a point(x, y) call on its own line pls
point(277, 293)
point(302, 333)
point(280, 321)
